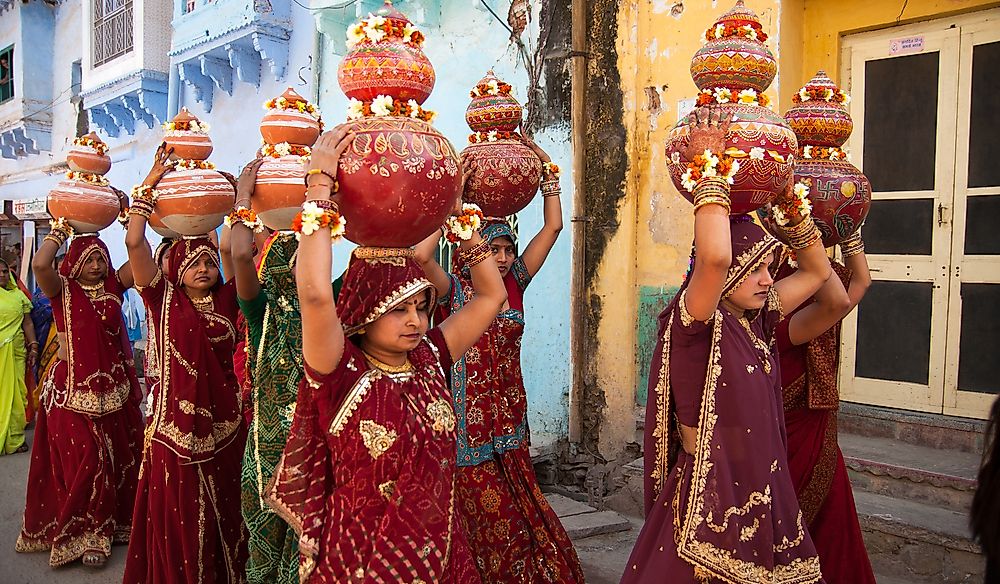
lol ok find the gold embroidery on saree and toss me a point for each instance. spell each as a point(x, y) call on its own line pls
point(376, 437)
point(444, 417)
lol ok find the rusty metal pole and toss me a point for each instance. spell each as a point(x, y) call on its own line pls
point(578, 284)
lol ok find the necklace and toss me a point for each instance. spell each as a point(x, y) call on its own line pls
point(202, 304)
point(92, 290)
point(765, 354)
point(385, 367)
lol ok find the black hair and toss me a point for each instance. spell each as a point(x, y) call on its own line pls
point(984, 516)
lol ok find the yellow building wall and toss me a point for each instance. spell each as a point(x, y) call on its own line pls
point(656, 40)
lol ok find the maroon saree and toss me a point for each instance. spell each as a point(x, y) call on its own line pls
point(725, 512)
point(514, 534)
point(367, 478)
point(188, 525)
point(85, 459)
point(816, 464)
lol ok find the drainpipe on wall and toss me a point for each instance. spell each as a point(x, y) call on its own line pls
point(578, 285)
point(173, 93)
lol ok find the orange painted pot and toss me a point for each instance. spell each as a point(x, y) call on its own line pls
point(86, 159)
point(194, 202)
point(87, 207)
point(188, 145)
point(280, 191)
point(156, 224)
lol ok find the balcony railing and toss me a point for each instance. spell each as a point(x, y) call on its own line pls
point(113, 30)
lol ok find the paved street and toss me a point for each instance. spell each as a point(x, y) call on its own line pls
point(603, 556)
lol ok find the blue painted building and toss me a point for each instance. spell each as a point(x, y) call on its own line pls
point(123, 67)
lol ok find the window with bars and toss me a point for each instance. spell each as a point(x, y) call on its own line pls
point(113, 30)
point(7, 74)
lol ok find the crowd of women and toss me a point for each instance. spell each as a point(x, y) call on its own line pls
point(302, 430)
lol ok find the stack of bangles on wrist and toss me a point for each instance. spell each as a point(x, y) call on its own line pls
point(143, 200)
point(313, 172)
point(852, 246)
point(477, 254)
point(60, 231)
point(241, 214)
point(550, 188)
point(315, 215)
point(712, 190)
point(803, 234)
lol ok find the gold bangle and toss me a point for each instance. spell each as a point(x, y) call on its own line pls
point(852, 246)
point(481, 247)
point(803, 234)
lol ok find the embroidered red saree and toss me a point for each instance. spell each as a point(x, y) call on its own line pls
point(367, 478)
point(514, 534)
point(816, 464)
point(84, 463)
point(188, 526)
point(725, 512)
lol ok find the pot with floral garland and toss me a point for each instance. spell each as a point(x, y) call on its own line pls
point(732, 71)
point(193, 197)
point(399, 177)
point(290, 127)
point(839, 194)
point(505, 171)
point(85, 198)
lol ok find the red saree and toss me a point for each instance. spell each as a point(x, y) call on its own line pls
point(514, 534)
point(188, 525)
point(725, 512)
point(367, 478)
point(811, 399)
point(84, 462)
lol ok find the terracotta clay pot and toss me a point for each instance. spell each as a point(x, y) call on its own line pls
point(505, 176)
point(87, 207)
point(758, 138)
point(290, 125)
point(194, 202)
point(758, 180)
point(399, 180)
point(500, 112)
point(735, 63)
point(389, 67)
point(840, 195)
point(280, 191)
point(156, 224)
point(86, 159)
point(818, 122)
point(188, 145)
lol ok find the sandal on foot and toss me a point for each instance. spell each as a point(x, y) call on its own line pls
point(94, 559)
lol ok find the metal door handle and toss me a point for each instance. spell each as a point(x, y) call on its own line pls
point(944, 214)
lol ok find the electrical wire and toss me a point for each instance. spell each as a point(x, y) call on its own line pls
point(337, 7)
point(497, 16)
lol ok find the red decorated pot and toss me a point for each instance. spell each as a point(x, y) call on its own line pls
point(734, 56)
point(493, 108)
point(381, 61)
point(505, 176)
point(280, 191)
point(290, 118)
point(89, 155)
point(840, 195)
point(399, 181)
point(194, 202)
point(188, 137)
point(819, 115)
point(759, 140)
point(87, 207)
point(156, 224)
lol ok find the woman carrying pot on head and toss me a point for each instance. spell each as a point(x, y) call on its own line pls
point(368, 477)
point(514, 534)
point(720, 505)
point(808, 343)
point(88, 438)
point(188, 525)
point(270, 305)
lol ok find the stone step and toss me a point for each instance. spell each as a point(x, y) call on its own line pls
point(945, 478)
point(921, 429)
point(918, 543)
point(581, 520)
